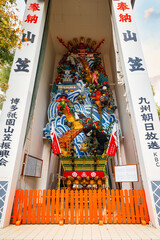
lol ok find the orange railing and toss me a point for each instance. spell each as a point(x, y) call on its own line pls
point(74, 207)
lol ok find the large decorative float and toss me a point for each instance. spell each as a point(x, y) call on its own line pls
point(82, 125)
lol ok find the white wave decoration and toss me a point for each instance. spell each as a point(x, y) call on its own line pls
point(86, 108)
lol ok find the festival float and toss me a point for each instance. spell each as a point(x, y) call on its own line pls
point(82, 126)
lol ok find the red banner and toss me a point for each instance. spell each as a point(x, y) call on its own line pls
point(112, 148)
point(84, 174)
point(55, 143)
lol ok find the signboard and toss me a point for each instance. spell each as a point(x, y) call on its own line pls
point(16, 108)
point(126, 173)
point(32, 166)
point(139, 93)
point(141, 103)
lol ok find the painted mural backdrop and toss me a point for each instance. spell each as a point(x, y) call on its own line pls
point(82, 125)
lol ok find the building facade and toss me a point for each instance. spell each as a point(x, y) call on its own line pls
point(33, 72)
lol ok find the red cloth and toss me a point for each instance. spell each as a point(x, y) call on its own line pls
point(55, 143)
point(84, 174)
point(112, 148)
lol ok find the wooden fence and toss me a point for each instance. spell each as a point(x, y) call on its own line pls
point(74, 207)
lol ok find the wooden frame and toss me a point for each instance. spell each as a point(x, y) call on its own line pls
point(32, 166)
point(123, 166)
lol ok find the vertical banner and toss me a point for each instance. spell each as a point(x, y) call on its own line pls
point(55, 143)
point(16, 107)
point(144, 115)
point(113, 143)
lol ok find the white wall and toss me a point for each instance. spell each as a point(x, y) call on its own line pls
point(35, 145)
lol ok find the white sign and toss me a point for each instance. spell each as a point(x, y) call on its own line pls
point(126, 173)
point(142, 107)
point(16, 107)
point(139, 93)
point(33, 166)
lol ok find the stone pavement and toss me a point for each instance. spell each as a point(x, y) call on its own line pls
point(80, 232)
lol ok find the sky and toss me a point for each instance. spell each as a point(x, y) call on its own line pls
point(21, 7)
point(147, 15)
